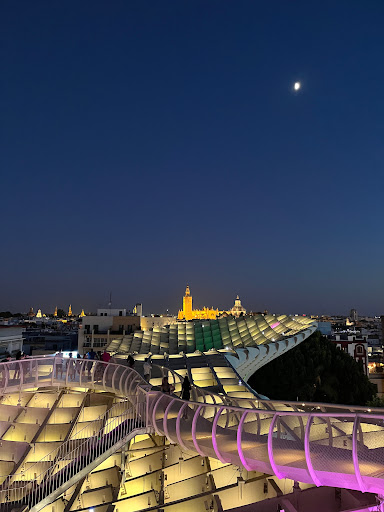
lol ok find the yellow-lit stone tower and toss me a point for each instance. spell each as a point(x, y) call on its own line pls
point(70, 310)
point(187, 304)
point(188, 313)
point(82, 314)
point(55, 313)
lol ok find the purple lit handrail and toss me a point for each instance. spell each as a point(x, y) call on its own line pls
point(41, 372)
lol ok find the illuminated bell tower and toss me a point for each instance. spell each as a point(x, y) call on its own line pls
point(187, 304)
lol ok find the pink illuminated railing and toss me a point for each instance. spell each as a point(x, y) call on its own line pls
point(323, 444)
point(340, 448)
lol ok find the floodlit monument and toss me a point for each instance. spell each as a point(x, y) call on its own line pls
point(93, 436)
point(188, 313)
point(237, 309)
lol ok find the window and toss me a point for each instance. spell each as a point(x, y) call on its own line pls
point(120, 313)
point(100, 342)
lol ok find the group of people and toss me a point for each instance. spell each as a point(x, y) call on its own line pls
point(19, 355)
point(78, 365)
point(84, 364)
point(168, 389)
point(16, 367)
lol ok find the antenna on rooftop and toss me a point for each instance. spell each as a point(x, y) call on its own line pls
point(110, 300)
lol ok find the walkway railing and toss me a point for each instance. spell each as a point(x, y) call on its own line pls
point(85, 449)
point(37, 372)
point(324, 444)
point(340, 448)
point(88, 445)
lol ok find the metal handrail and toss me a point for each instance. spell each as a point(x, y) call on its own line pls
point(54, 454)
point(77, 449)
point(270, 404)
point(74, 459)
point(10, 366)
point(325, 454)
point(18, 366)
point(234, 424)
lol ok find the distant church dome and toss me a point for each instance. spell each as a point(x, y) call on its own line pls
point(237, 309)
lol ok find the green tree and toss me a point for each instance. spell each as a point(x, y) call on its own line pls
point(316, 370)
point(61, 313)
point(377, 401)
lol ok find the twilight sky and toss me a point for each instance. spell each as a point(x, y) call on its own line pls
point(145, 145)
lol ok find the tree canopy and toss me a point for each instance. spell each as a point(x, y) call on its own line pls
point(316, 370)
point(5, 314)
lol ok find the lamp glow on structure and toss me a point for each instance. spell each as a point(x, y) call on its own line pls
point(297, 86)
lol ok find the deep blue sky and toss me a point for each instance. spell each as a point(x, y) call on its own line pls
point(150, 144)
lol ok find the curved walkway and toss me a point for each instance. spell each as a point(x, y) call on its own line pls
point(315, 443)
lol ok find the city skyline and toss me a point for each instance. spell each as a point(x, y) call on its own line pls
point(49, 309)
point(149, 145)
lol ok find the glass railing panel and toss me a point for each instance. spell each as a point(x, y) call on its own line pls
point(370, 451)
point(330, 450)
point(254, 441)
point(288, 447)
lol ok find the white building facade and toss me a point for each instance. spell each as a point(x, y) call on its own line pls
point(11, 339)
